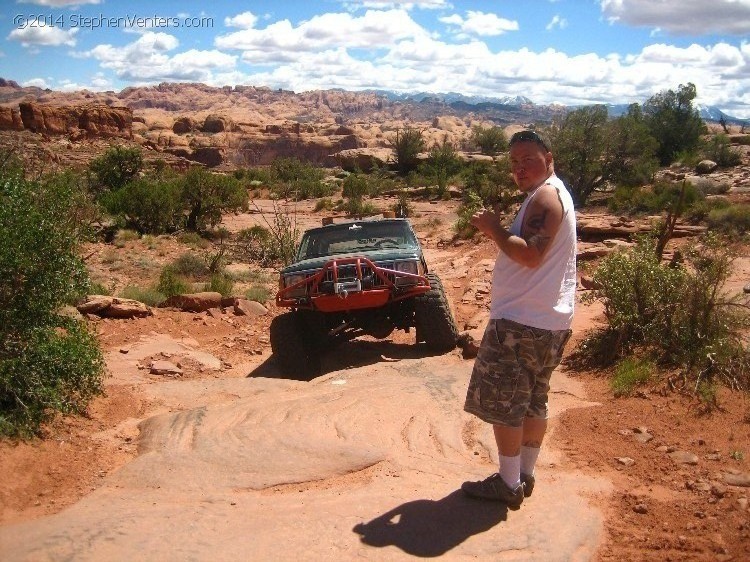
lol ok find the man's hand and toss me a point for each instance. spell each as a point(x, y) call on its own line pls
point(486, 222)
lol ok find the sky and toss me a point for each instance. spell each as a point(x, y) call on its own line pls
point(571, 52)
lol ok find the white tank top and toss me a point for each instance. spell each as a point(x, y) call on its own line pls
point(542, 296)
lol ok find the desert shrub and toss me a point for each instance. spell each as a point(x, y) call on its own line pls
point(147, 295)
point(192, 238)
point(48, 363)
point(710, 186)
point(653, 199)
point(700, 210)
point(679, 314)
point(719, 149)
point(357, 207)
point(221, 283)
point(406, 145)
point(256, 244)
point(471, 204)
point(324, 204)
point(442, 164)
point(205, 196)
point(732, 219)
point(490, 140)
point(674, 122)
point(171, 284)
point(403, 207)
point(116, 167)
point(123, 236)
point(258, 293)
point(190, 265)
point(630, 373)
point(356, 186)
point(294, 179)
point(147, 205)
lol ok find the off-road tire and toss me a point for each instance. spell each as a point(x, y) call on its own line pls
point(294, 346)
point(433, 318)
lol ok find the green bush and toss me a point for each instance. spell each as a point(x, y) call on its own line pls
point(442, 165)
point(171, 284)
point(190, 265)
point(48, 363)
point(490, 140)
point(325, 204)
point(115, 168)
point(629, 374)
point(294, 179)
point(699, 211)
point(732, 219)
point(221, 283)
point(205, 196)
point(148, 295)
point(406, 145)
point(719, 149)
point(654, 199)
point(147, 205)
point(258, 293)
point(679, 314)
point(471, 204)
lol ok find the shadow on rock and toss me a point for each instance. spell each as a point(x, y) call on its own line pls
point(349, 355)
point(430, 528)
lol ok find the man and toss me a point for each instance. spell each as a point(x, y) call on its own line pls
point(533, 293)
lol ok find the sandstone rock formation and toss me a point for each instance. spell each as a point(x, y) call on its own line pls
point(89, 120)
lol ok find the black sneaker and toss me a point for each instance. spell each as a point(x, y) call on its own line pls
point(528, 481)
point(495, 488)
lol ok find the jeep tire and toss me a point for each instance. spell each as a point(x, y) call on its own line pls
point(294, 346)
point(433, 318)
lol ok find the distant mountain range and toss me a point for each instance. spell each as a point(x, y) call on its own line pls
point(460, 101)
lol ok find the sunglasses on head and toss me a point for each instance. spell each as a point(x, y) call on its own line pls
point(531, 136)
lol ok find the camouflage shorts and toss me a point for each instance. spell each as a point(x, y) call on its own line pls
point(510, 380)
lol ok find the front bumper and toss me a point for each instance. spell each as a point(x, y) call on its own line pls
point(350, 284)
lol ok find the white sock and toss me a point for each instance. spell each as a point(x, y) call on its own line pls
point(528, 459)
point(510, 471)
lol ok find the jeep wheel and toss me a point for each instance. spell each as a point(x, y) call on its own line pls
point(433, 318)
point(293, 346)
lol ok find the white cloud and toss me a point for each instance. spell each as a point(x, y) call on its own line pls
point(682, 17)
point(38, 82)
point(245, 20)
point(480, 23)
point(147, 60)
point(280, 40)
point(558, 22)
point(389, 4)
point(59, 3)
point(44, 35)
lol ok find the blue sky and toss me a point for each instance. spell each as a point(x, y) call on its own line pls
point(553, 51)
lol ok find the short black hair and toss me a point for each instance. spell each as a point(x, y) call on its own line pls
point(530, 136)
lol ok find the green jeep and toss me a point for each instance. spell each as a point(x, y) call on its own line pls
point(354, 278)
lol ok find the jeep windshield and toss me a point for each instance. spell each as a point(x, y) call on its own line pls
point(356, 237)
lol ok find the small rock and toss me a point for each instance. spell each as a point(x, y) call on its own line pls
point(214, 313)
point(741, 479)
point(746, 288)
point(742, 504)
point(683, 457)
point(700, 515)
point(244, 307)
point(164, 368)
point(662, 449)
point(719, 490)
point(641, 508)
point(264, 339)
point(643, 437)
point(124, 350)
point(625, 461)
point(624, 432)
point(713, 457)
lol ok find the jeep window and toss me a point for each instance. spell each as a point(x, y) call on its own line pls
point(356, 237)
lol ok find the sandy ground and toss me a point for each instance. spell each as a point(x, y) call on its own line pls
point(231, 461)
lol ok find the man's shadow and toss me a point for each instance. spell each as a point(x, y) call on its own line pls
point(430, 528)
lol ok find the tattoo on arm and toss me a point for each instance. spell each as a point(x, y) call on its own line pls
point(534, 231)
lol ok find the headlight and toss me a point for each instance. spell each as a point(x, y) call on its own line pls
point(406, 266)
point(293, 279)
